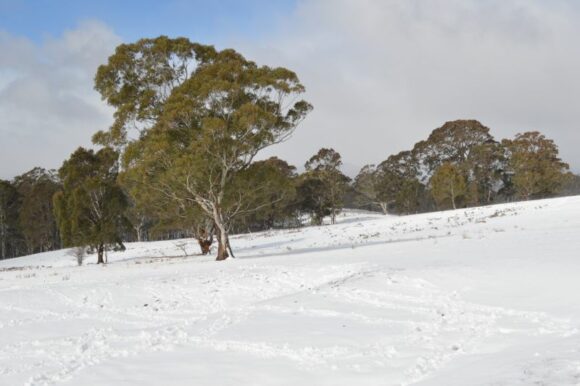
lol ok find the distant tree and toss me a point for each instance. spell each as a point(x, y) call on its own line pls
point(484, 170)
point(398, 182)
point(90, 208)
point(203, 116)
point(448, 185)
point(36, 214)
point(571, 185)
point(144, 207)
point(411, 197)
point(266, 193)
point(453, 142)
point(9, 230)
point(368, 184)
point(313, 198)
point(325, 165)
point(537, 170)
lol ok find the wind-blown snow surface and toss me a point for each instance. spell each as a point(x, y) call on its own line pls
point(484, 296)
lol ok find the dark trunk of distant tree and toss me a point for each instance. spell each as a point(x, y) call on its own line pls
point(229, 246)
point(2, 241)
point(383, 206)
point(100, 252)
point(222, 253)
point(222, 235)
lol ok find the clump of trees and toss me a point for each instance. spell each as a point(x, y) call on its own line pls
point(203, 115)
point(323, 186)
point(460, 164)
point(90, 209)
point(27, 222)
point(9, 231)
point(448, 185)
point(179, 161)
point(532, 160)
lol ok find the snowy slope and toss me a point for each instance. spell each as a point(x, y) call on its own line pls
point(483, 296)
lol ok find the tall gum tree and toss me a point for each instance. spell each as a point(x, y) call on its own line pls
point(203, 115)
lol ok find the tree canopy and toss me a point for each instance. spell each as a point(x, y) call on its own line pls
point(536, 169)
point(90, 208)
point(203, 115)
point(325, 166)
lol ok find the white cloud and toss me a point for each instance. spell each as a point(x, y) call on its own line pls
point(47, 103)
point(382, 74)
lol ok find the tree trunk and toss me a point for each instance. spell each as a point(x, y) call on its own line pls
point(3, 235)
point(100, 250)
point(222, 253)
point(2, 247)
point(229, 246)
point(383, 206)
point(453, 197)
point(140, 229)
point(222, 235)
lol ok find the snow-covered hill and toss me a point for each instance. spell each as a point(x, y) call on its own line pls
point(484, 296)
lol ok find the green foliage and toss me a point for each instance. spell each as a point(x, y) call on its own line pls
point(465, 166)
point(9, 230)
point(367, 185)
point(398, 182)
point(448, 185)
point(313, 197)
point(411, 196)
point(138, 79)
point(536, 169)
point(90, 208)
point(484, 168)
point(571, 185)
point(36, 213)
point(452, 142)
point(265, 195)
point(392, 185)
point(325, 166)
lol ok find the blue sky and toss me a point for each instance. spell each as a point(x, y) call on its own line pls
point(207, 21)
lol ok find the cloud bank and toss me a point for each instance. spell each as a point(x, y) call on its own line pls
point(47, 104)
point(382, 74)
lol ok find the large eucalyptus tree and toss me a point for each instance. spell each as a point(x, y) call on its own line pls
point(202, 116)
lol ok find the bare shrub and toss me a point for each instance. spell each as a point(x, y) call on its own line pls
point(79, 253)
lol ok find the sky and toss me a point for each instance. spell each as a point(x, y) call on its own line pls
point(381, 74)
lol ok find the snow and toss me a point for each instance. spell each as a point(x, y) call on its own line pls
point(481, 296)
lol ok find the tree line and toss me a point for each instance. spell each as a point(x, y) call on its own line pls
point(460, 165)
point(178, 161)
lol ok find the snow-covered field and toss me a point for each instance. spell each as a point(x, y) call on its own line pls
point(483, 296)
